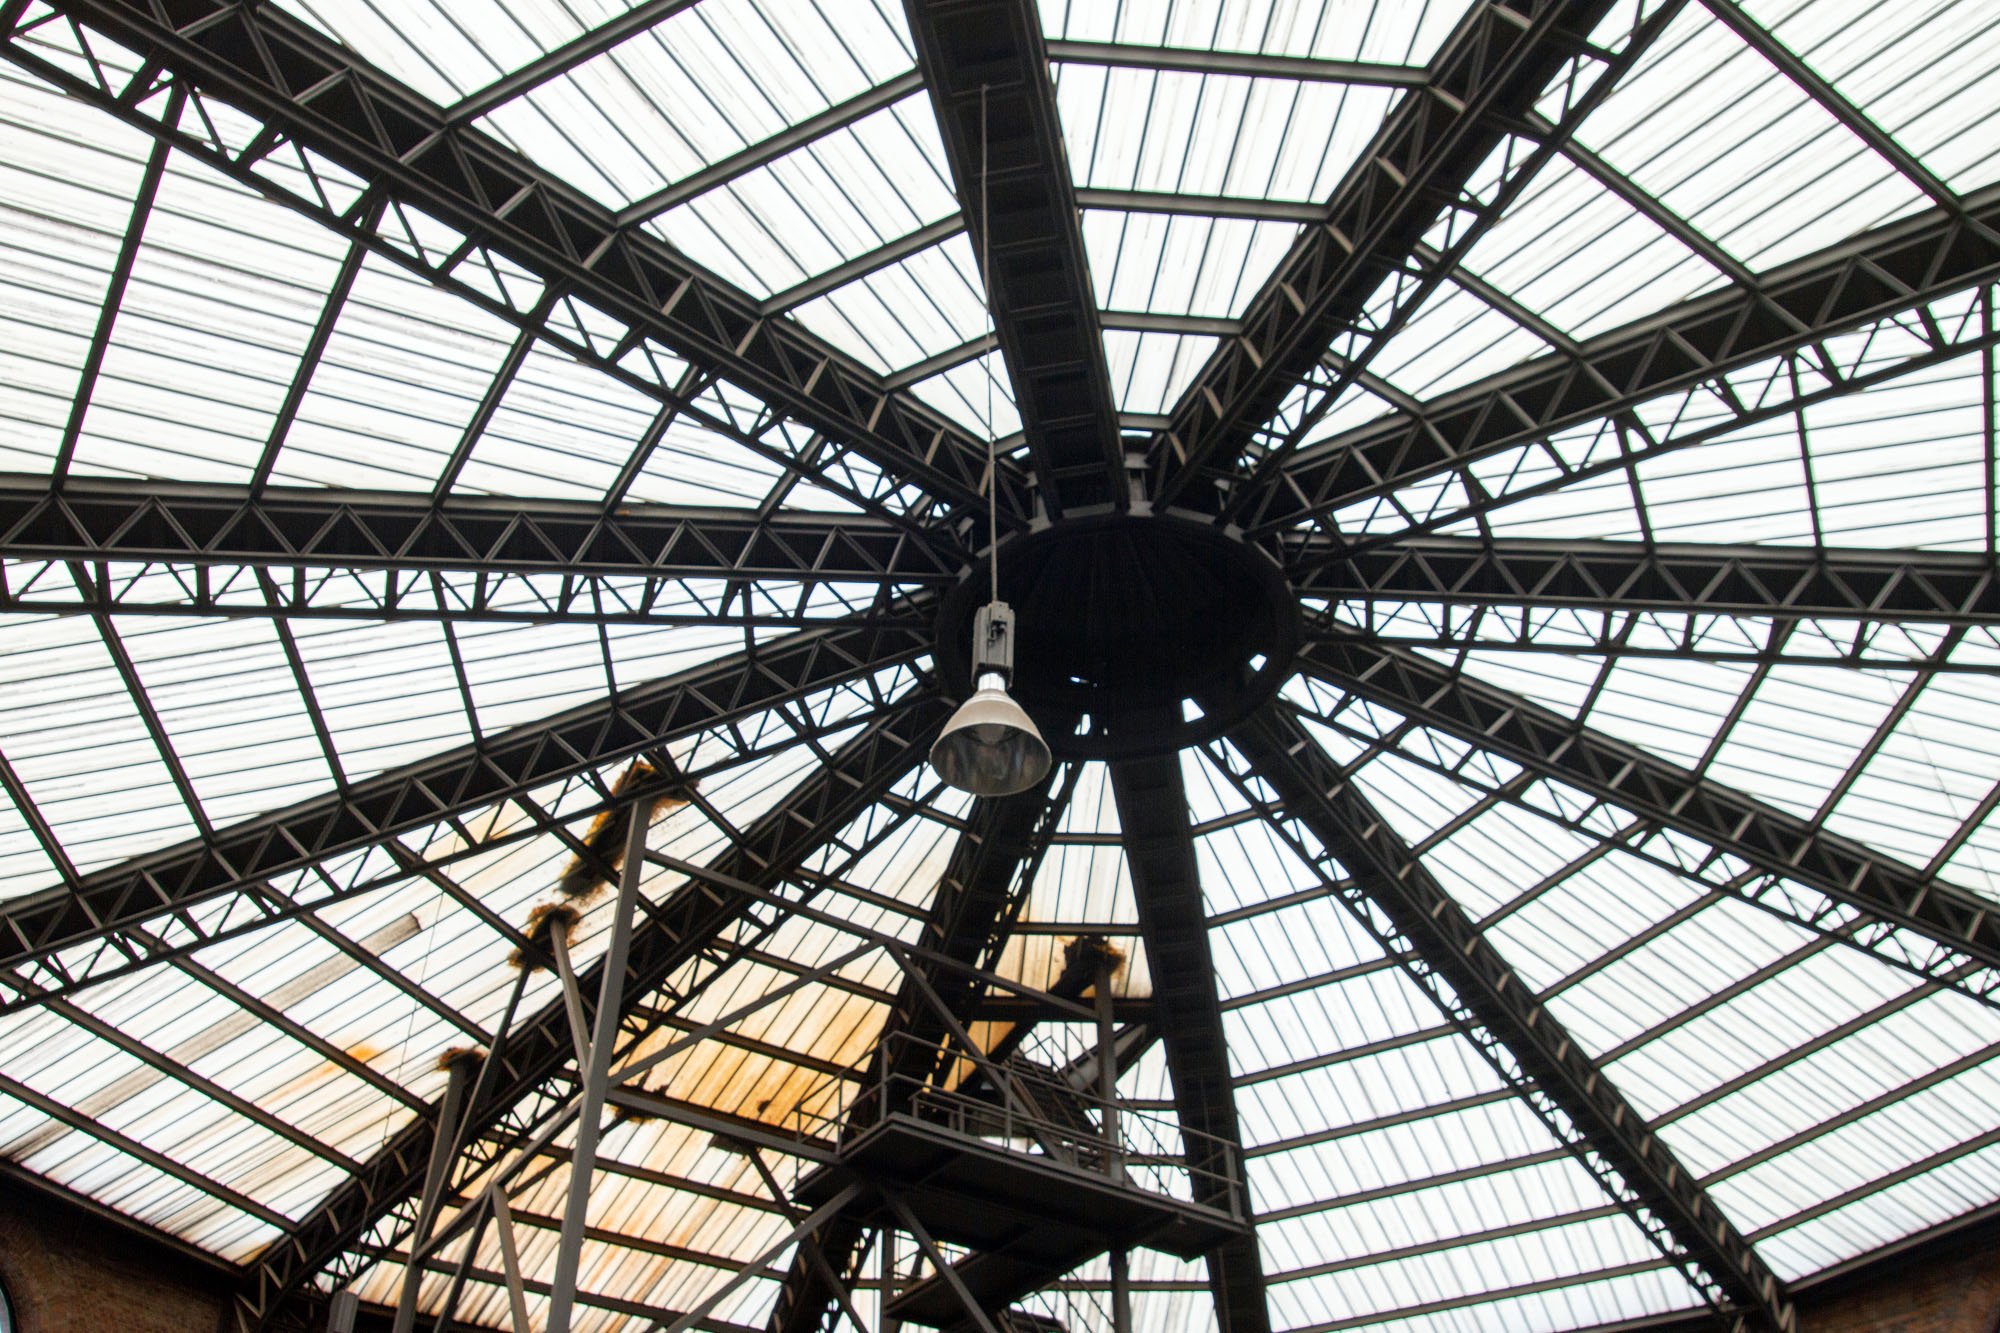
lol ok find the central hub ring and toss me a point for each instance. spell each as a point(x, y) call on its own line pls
point(1135, 635)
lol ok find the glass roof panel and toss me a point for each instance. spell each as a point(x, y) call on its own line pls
point(61, 696)
point(1928, 74)
point(834, 200)
point(1724, 139)
point(396, 388)
point(1178, 265)
point(1212, 134)
point(1150, 371)
point(1405, 34)
point(906, 312)
point(446, 49)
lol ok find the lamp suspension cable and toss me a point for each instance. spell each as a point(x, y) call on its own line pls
point(992, 434)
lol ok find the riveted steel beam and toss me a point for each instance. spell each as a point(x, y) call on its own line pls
point(1909, 918)
point(987, 66)
point(1159, 854)
point(221, 550)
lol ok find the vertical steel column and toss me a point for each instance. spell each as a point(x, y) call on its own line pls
point(1121, 1291)
point(434, 1182)
point(340, 1311)
point(596, 1075)
point(1107, 1067)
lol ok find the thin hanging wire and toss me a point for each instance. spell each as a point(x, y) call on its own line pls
point(992, 441)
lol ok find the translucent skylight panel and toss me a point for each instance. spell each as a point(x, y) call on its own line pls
point(1178, 265)
point(1454, 1279)
point(231, 709)
point(80, 747)
point(446, 49)
point(66, 187)
point(907, 312)
point(703, 84)
point(1927, 74)
point(387, 692)
point(1929, 775)
point(1453, 339)
point(1391, 34)
point(1150, 371)
point(1912, 1200)
point(223, 296)
point(1581, 258)
point(396, 388)
point(1329, 1018)
point(562, 430)
point(1802, 729)
point(1897, 464)
point(1079, 879)
point(964, 391)
point(836, 199)
point(1212, 134)
point(1724, 139)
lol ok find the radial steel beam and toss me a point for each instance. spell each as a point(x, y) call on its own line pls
point(988, 70)
point(220, 550)
point(1395, 899)
point(263, 869)
point(1884, 303)
point(1912, 920)
point(1353, 277)
point(699, 925)
point(1159, 854)
point(1945, 587)
point(314, 95)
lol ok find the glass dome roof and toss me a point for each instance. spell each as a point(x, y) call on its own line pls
point(412, 416)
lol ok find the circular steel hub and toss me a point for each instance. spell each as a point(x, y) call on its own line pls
point(1135, 635)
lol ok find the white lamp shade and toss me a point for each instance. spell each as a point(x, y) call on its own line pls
point(990, 747)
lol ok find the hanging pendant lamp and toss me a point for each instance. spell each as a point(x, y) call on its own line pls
point(991, 746)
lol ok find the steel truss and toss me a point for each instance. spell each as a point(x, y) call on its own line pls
point(419, 819)
point(1795, 868)
point(987, 68)
point(218, 550)
point(1912, 294)
point(411, 182)
point(373, 1212)
point(1324, 818)
point(343, 144)
point(1394, 229)
point(1166, 887)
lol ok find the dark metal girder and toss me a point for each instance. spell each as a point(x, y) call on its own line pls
point(1883, 283)
point(1416, 172)
point(1397, 900)
point(1166, 887)
point(234, 550)
point(1911, 920)
point(1242, 64)
point(699, 922)
point(264, 869)
point(314, 93)
point(988, 70)
point(1947, 587)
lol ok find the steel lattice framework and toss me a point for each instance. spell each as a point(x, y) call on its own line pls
point(1382, 534)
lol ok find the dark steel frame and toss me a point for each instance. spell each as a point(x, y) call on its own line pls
point(859, 590)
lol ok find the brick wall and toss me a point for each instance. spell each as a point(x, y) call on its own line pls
point(1956, 1291)
point(70, 1271)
